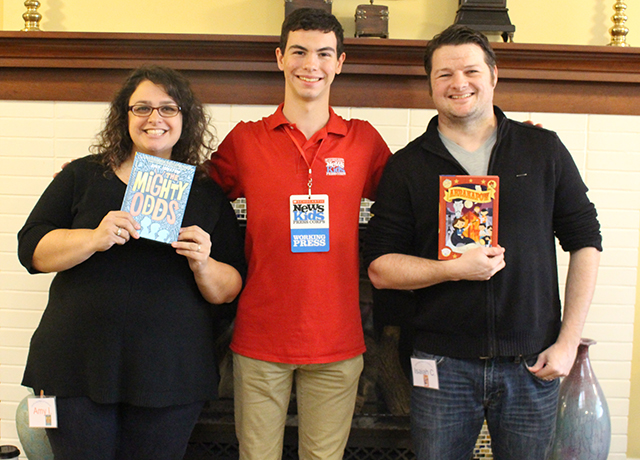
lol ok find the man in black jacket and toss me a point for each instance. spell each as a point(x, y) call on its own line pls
point(492, 337)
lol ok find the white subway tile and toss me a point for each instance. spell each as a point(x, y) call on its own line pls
point(615, 199)
point(82, 111)
point(614, 388)
point(219, 113)
point(421, 117)
point(13, 223)
point(618, 448)
point(26, 109)
point(614, 123)
point(20, 300)
point(382, 117)
point(615, 295)
point(9, 262)
point(561, 121)
point(520, 116)
point(611, 351)
point(619, 406)
point(612, 257)
point(394, 135)
point(71, 149)
point(12, 337)
point(251, 112)
point(16, 147)
point(8, 430)
point(620, 237)
point(618, 425)
point(574, 140)
point(607, 313)
point(415, 132)
point(618, 142)
point(614, 161)
point(8, 411)
point(12, 355)
point(616, 276)
point(22, 318)
point(16, 166)
point(614, 180)
point(20, 205)
point(617, 218)
point(25, 282)
point(77, 129)
point(612, 369)
point(28, 127)
point(609, 332)
point(26, 186)
point(11, 374)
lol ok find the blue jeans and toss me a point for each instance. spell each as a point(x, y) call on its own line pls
point(520, 409)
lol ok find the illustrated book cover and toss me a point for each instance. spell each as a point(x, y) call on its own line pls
point(157, 196)
point(468, 214)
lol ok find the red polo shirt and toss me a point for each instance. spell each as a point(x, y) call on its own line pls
point(300, 308)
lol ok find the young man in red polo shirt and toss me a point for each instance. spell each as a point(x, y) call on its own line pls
point(303, 172)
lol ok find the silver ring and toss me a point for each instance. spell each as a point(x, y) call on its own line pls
point(198, 248)
point(119, 232)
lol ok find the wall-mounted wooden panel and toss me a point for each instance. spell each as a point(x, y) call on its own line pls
point(378, 73)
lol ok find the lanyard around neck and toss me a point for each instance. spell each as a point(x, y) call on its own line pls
point(309, 165)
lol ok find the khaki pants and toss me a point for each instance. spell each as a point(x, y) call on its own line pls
point(325, 394)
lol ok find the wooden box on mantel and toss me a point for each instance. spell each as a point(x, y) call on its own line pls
point(372, 21)
point(291, 5)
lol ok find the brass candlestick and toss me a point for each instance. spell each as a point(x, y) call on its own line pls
point(31, 17)
point(619, 31)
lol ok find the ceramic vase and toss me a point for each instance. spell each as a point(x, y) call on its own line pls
point(583, 427)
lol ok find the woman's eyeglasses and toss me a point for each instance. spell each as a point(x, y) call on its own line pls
point(165, 111)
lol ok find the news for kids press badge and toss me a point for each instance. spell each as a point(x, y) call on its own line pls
point(157, 195)
point(42, 412)
point(309, 223)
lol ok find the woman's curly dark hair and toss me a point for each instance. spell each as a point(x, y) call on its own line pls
point(197, 140)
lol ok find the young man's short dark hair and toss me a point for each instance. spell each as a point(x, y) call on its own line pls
point(458, 35)
point(312, 19)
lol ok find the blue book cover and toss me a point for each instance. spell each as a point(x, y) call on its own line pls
point(157, 195)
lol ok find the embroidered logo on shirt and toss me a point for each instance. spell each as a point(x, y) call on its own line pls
point(335, 167)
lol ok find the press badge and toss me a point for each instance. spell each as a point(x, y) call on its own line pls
point(309, 218)
point(42, 412)
point(425, 373)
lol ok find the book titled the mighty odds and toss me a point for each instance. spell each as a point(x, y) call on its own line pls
point(157, 195)
point(468, 214)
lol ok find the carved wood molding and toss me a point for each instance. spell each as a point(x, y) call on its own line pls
point(224, 69)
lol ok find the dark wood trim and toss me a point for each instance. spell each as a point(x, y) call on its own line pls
point(224, 69)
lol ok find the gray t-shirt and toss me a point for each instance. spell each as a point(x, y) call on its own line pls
point(476, 163)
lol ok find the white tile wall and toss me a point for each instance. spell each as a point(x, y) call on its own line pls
point(37, 137)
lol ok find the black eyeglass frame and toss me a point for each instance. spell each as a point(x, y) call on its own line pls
point(159, 108)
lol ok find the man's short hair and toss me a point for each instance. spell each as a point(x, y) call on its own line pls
point(312, 19)
point(458, 35)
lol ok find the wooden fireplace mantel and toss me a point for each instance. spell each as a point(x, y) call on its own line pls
point(227, 69)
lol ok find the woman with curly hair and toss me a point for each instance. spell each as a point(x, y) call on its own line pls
point(126, 343)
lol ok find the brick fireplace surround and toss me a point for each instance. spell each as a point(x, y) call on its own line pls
point(53, 93)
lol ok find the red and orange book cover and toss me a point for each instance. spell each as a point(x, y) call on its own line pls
point(468, 214)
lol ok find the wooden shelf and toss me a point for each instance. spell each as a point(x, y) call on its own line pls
point(228, 69)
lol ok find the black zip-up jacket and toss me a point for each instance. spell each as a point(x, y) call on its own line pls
point(542, 196)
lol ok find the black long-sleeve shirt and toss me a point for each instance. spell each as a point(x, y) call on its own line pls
point(542, 196)
point(129, 324)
